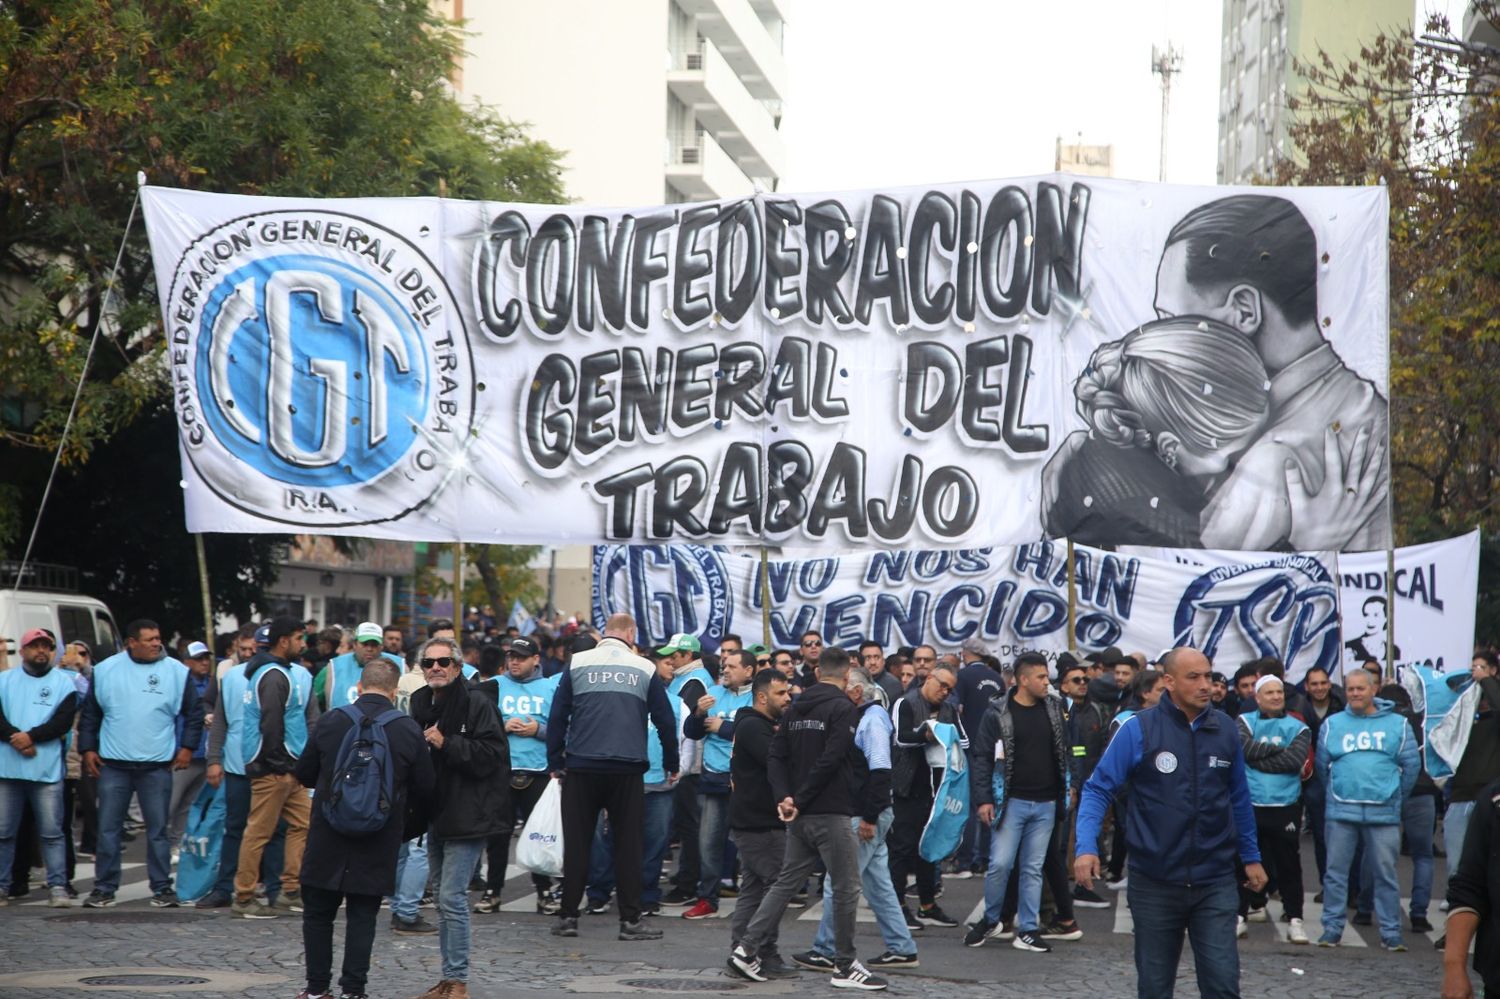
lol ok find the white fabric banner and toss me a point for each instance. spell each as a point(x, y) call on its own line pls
point(944, 367)
point(1014, 599)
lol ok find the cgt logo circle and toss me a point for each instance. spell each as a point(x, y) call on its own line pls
point(324, 353)
point(666, 588)
point(1286, 607)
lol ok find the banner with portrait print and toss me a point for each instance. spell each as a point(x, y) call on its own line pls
point(946, 366)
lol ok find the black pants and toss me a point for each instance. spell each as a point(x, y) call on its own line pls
point(622, 796)
point(1277, 829)
point(70, 797)
point(87, 805)
point(908, 819)
point(685, 829)
point(497, 850)
point(1117, 848)
point(319, 906)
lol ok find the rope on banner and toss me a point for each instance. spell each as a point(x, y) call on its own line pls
point(109, 287)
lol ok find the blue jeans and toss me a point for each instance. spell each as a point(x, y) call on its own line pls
point(656, 838)
point(713, 831)
point(1162, 911)
point(411, 879)
point(875, 877)
point(1455, 824)
point(46, 809)
point(453, 862)
point(236, 813)
point(1019, 841)
point(154, 787)
point(1381, 845)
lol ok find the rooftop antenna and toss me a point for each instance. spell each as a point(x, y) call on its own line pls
point(1165, 63)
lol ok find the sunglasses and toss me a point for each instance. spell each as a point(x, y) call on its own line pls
point(763, 662)
point(443, 661)
point(946, 688)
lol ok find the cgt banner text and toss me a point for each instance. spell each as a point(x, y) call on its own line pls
point(1235, 607)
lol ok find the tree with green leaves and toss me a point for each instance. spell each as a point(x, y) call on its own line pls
point(324, 98)
point(1424, 120)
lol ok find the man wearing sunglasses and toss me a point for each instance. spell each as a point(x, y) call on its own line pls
point(916, 772)
point(1088, 731)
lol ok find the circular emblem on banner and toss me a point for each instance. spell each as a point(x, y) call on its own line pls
point(321, 371)
point(1166, 762)
point(666, 588)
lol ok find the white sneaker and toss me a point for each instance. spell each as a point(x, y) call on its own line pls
point(1124, 882)
point(58, 898)
point(1258, 915)
point(1443, 905)
point(1240, 929)
point(1295, 933)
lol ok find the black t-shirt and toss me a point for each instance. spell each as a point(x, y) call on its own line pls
point(1034, 770)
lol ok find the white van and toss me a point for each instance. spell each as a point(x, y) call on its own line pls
point(71, 616)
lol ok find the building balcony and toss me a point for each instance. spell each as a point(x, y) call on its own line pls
point(736, 28)
point(705, 82)
point(701, 170)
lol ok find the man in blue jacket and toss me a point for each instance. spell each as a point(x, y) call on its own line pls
point(1190, 820)
point(1368, 761)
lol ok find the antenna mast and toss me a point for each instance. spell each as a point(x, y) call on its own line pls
point(1165, 64)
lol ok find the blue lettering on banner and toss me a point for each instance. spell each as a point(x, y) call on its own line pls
point(1287, 607)
point(666, 588)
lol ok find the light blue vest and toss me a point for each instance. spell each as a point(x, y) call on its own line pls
point(1364, 752)
point(716, 748)
point(294, 716)
point(30, 701)
point(656, 772)
point(234, 688)
point(678, 682)
point(341, 686)
point(141, 702)
point(532, 701)
point(1273, 789)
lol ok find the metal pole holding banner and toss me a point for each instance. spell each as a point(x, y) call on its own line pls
point(1390, 611)
point(208, 604)
point(765, 597)
point(1072, 599)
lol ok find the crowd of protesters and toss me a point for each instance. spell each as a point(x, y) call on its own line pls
point(771, 775)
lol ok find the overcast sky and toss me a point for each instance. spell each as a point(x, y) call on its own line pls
point(887, 92)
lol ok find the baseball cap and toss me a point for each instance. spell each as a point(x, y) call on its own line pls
point(681, 642)
point(36, 633)
point(263, 636)
point(369, 631)
point(524, 647)
point(196, 649)
point(756, 650)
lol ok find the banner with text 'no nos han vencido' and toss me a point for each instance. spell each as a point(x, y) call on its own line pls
point(944, 367)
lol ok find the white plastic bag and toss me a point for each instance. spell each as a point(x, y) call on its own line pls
point(541, 848)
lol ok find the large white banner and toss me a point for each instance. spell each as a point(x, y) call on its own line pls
point(1014, 599)
point(944, 367)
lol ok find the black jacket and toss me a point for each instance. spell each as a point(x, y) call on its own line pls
point(1475, 884)
point(999, 726)
point(813, 759)
point(1088, 731)
point(1103, 692)
point(751, 804)
point(472, 768)
point(365, 865)
point(911, 775)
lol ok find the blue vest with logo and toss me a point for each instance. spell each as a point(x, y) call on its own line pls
point(234, 689)
point(1364, 753)
point(532, 701)
point(294, 715)
point(30, 701)
point(678, 682)
point(341, 686)
point(716, 748)
point(141, 702)
point(1273, 789)
point(1180, 825)
point(656, 771)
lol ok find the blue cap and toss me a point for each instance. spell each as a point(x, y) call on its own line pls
point(263, 636)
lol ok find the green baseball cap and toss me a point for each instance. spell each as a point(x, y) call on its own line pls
point(757, 650)
point(681, 642)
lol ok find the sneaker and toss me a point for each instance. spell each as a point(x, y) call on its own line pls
point(1318, 898)
point(72, 892)
point(774, 968)
point(1031, 940)
point(352, 995)
point(566, 926)
point(412, 927)
point(305, 994)
point(1240, 927)
point(931, 915)
point(638, 931)
point(1419, 924)
point(979, 932)
point(58, 898)
point(254, 909)
point(960, 874)
point(1059, 930)
point(597, 906)
point(813, 961)
point(1258, 915)
point(99, 900)
point(856, 976)
point(288, 902)
point(1394, 946)
point(1087, 898)
point(798, 901)
point(488, 902)
point(427, 900)
point(745, 963)
point(165, 900)
point(728, 889)
point(1295, 933)
point(1328, 940)
point(1363, 919)
point(911, 921)
point(675, 898)
point(893, 960)
point(547, 904)
point(650, 909)
point(703, 910)
point(1118, 884)
point(214, 900)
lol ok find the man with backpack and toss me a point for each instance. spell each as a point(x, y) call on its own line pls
point(367, 762)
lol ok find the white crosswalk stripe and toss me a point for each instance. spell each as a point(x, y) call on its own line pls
point(83, 878)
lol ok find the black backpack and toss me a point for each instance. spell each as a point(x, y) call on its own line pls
point(362, 796)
